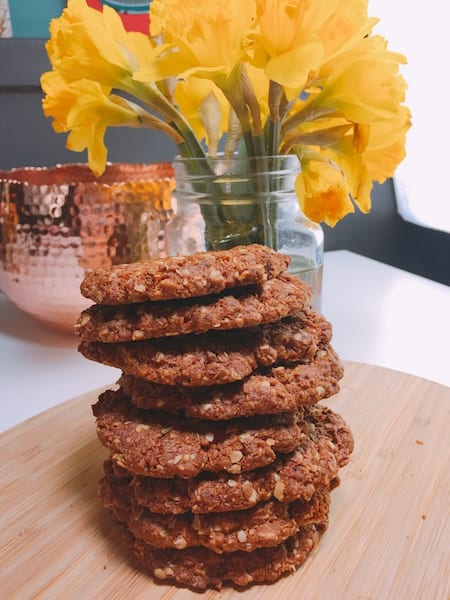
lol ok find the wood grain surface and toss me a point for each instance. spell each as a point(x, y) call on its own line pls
point(389, 531)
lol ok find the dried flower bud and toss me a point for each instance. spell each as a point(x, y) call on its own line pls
point(234, 134)
point(211, 117)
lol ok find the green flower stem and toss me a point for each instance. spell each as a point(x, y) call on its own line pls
point(188, 148)
point(249, 143)
point(250, 221)
point(150, 121)
point(226, 224)
point(307, 113)
point(152, 97)
point(274, 137)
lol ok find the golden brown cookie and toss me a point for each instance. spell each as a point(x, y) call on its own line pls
point(200, 274)
point(240, 307)
point(200, 568)
point(267, 524)
point(295, 476)
point(216, 357)
point(160, 444)
point(269, 391)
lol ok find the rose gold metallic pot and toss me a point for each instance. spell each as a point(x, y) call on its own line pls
point(57, 223)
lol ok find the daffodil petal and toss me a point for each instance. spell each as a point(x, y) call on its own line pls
point(207, 34)
point(292, 69)
point(322, 191)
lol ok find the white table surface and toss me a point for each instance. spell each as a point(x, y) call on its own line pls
point(380, 315)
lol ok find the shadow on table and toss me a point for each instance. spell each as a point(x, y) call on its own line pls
point(16, 324)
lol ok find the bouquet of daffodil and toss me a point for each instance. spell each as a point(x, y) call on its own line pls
point(270, 77)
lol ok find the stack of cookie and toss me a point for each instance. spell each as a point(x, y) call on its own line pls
point(221, 459)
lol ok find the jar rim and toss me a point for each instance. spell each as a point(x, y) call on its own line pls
point(235, 157)
point(205, 167)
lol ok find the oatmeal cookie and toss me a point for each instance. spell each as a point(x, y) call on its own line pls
point(216, 357)
point(267, 524)
point(114, 490)
point(269, 391)
point(160, 444)
point(200, 274)
point(200, 568)
point(240, 307)
point(297, 476)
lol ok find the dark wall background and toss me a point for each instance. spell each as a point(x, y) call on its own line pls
point(385, 236)
point(27, 139)
point(26, 135)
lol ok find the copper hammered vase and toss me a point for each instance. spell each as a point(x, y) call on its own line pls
point(57, 223)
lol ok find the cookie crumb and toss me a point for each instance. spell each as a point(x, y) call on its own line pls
point(419, 442)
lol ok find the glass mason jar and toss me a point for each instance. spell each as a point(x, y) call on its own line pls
point(224, 202)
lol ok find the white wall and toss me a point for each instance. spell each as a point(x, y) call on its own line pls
point(421, 31)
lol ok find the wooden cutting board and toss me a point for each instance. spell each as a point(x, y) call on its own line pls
point(388, 537)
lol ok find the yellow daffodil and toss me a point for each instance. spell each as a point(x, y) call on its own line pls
point(364, 84)
point(303, 76)
point(375, 157)
point(200, 100)
point(358, 181)
point(385, 147)
point(339, 25)
point(86, 109)
point(334, 143)
point(203, 38)
point(89, 44)
point(60, 96)
point(362, 154)
point(89, 117)
point(287, 49)
point(321, 188)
